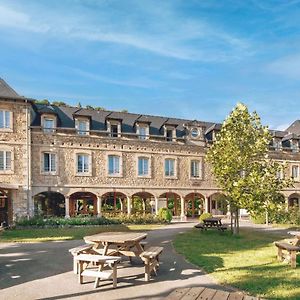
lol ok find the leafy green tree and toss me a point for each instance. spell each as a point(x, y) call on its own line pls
point(99, 108)
point(241, 165)
point(44, 101)
point(59, 103)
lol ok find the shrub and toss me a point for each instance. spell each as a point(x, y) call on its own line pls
point(204, 216)
point(165, 215)
point(259, 218)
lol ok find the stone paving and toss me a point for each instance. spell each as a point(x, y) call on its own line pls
point(44, 271)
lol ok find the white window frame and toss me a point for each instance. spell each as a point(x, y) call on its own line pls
point(144, 136)
point(50, 172)
point(85, 121)
point(5, 150)
point(199, 162)
point(174, 176)
point(298, 172)
point(89, 171)
point(7, 124)
point(170, 128)
point(115, 123)
point(148, 157)
point(46, 118)
point(119, 155)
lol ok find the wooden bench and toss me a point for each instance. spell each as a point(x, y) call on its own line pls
point(151, 260)
point(292, 251)
point(203, 227)
point(87, 248)
point(102, 261)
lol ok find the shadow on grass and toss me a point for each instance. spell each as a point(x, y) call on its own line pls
point(247, 261)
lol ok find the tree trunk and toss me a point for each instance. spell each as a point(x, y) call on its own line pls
point(236, 228)
point(267, 218)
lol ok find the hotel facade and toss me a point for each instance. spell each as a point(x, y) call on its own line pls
point(69, 161)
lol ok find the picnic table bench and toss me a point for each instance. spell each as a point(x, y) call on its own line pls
point(292, 248)
point(151, 259)
point(212, 223)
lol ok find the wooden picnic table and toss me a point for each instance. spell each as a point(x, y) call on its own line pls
point(115, 243)
point(212, 222)
point(206, 294)
point(297, 236)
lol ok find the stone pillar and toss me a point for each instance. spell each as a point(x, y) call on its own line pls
point(99, 206)
point(182, 215)
point(129, 206)
point(156, 205)
point(67, 206)
point(206, 204)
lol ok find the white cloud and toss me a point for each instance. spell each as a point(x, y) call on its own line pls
point(165, 34)
point(288, 66)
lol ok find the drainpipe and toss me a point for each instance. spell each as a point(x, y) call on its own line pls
point(28, 150)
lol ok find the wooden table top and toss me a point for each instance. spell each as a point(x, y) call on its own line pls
point(204, 293)
point(116, 237)
point(295, 233)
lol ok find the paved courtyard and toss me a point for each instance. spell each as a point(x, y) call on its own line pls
point(44, 271)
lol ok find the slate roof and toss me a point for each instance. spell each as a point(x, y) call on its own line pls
point(65, 118)
point(294, 127)
point(7, 92)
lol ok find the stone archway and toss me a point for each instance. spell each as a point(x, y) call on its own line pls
point(194, 204)
point(49, 204)
point(83, 203)
point(217, 204)
point(294, 200)
point(4, 208)
point(114, 202)
point(172, 202)
point(143, 202)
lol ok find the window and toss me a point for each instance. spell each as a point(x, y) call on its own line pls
point(195, 169)
point(83, 161)
point(48, 125)
point(82, 127)
point(295, 171)
point(279, 174)
point(114, 130)
point(5, 160)
point(113, 165)
point(143, 166)
point(49, 162)
point(170, 167)
point(169, 135)
point(194, 132)
point(142, 133)
point(5, 119)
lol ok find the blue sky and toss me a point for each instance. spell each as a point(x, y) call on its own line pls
point(190, 59)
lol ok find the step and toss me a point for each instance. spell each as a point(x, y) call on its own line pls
point(97, 274)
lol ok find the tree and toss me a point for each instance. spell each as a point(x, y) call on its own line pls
point(89, 107)
point(241, 165)
point(59, 103)
point(44, 101)
point(99, 108)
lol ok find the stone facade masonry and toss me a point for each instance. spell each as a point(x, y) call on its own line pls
point(26, 179)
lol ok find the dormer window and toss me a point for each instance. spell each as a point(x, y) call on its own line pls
point(48, 124)
point(82, 126)
point(142, 130)
point(194, 132)
point(277, 144)
point(114, 128)
point(169, 135)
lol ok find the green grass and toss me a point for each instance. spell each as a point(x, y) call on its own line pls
point(247, 262)
point(65, 233)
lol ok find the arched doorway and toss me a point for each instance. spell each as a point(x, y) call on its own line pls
point(4, 208)
point(294, 200)
point(143, 202)
point(194, 204)
point(114, 202)
point(218, 205)
point(172, 202)
point(49, 204)
point(83, 204)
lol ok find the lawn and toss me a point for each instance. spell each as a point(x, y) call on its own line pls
point(247, 262)
point(65, 233)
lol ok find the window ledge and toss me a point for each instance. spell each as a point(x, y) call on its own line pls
point(171, 177)
point(83, 174)
point(115, 175)
point(6, 130)
point(6, 172)
point(144, 176)
point(49, 173)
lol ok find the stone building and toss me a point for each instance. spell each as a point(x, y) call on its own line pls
point(66, 161)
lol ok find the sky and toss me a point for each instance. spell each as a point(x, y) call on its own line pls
point(190, 59)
